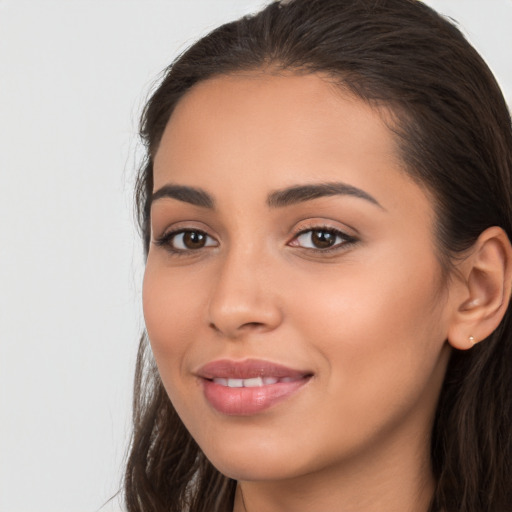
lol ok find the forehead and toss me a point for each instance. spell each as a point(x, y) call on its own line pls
point(278, 106)
point(273, 115)
point(260, 130)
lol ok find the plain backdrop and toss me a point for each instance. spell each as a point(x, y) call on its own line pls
point(74, 75)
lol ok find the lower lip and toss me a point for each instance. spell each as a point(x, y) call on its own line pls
point(248, 401)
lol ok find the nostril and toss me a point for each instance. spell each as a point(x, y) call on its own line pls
point(243, 327)
point(252, 324)
point(214, 327)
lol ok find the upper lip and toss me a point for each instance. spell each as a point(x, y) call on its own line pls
point(247, 369)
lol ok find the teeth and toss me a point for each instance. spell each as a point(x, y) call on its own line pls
point(255, 382)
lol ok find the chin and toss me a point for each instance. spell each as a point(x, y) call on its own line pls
point(252, 471)
point(249, 463)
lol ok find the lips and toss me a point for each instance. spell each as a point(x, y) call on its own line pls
point(254, 382)
point(249, 387)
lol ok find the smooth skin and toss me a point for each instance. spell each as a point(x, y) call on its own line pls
point(347, 286)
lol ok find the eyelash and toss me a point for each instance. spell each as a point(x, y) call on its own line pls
point(166, 240)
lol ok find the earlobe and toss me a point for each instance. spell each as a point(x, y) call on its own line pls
point(486, 287)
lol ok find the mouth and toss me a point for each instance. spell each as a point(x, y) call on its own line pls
point(255, 382)
point(243, 388)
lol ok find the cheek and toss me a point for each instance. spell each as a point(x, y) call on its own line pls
point(171, 313)
point(398, 286)
point(371, 302)
point(379, 328)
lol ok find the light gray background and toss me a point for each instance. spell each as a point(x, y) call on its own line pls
point(73, 77)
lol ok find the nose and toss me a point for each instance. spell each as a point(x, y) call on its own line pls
point(243, 299)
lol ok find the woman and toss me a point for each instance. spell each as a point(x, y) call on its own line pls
point(326, 215)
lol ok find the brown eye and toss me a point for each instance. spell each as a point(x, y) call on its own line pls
point(187, 240)
point(194, 239)
point(322, 239)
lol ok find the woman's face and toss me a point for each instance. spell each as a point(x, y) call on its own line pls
point(292, 295)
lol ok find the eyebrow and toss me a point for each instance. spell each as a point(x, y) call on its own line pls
point(192, 195)
point(277, 199)
point(301, 193)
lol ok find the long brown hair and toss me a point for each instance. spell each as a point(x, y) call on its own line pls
point(454, 132)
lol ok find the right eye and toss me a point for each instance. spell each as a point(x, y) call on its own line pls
point(186, 240)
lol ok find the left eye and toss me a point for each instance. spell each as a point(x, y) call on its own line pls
point(321, 239)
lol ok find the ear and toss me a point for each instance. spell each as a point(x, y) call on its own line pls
point(484, 292)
